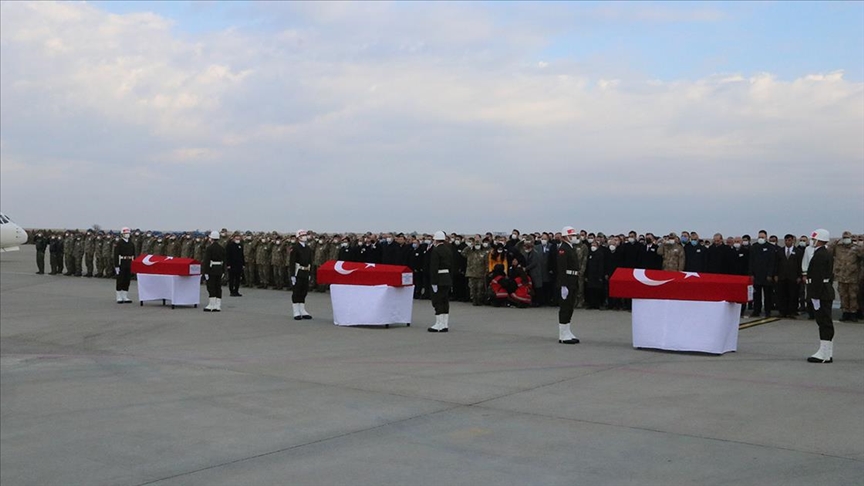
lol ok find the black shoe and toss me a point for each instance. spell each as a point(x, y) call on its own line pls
point(40, 273)
point(307, 317)
point(238, 294)
point(208, 310)
point(754, 314)
point(216, 310)
point(446, 329)
point(844, 317)
point(297, 318)
point(811, 359)
point(569, 341)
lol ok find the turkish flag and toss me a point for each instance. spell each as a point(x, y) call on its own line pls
point(358, 273)
point(166, 265)
point(634, 283)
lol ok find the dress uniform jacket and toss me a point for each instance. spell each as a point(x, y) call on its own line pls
point(441, 265)
point(820, 283)
point(214, 260)
point(568, 266)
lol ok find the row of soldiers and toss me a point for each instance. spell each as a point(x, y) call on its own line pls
point(266, 256)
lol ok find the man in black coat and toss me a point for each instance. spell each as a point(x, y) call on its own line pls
point(41, 243)
point(695, 255)
point(235, 264)
point(568, 281)
point(820, 289)
point(762, 267)
point(788, 275)
point(648, 258)
point(124, 253)
point(717, 256)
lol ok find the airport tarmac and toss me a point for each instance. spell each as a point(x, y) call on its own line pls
point(96, 393)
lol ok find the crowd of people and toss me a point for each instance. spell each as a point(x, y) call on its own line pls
point(515, 270)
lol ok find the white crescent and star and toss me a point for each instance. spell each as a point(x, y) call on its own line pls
point(639, 274)
point(339, 269)
point(146, 260)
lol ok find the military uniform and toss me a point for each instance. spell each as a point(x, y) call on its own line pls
point(674, 257)
point(299, 267)
point(277, 264)
point(581, 251)
point(249, 246)
point(55, 254)
point(124, 253)
point(234, 262)
point(569, 271)
point(108, 256)
point(213, 267)
point(320, 254)
point(475, 271)
point(68, 250)
point(820, 289)
point(78, 254)
point(89, 252)
point(187, 247)
point(41, 243)
point(441, 269)
point(847, 258)
point(262, 260)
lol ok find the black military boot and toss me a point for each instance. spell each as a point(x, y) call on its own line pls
point(844, 317)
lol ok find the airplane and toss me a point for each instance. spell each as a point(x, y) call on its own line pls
point(11, 235)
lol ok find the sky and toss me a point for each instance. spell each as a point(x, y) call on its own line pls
point(413, 116)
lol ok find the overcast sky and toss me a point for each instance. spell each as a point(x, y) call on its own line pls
point(409, 116)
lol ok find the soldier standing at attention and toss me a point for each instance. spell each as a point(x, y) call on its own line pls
point(277, 263)
point(299, 266)
point(68, 249)
point(41, 243)
point(262, 260)
point(820, 289)
point(124, 253)
point(234, 262)
point(78, 253)
point(568, 282)
point(108, 255)
point(249, 259)
point(97, 253)
point(214, 259)
point(847, 264)
point(89, 250)
point(441, 280)
point(55, 254)
point(475, 270)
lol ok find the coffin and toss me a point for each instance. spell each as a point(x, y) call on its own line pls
point(166, 265)
point(337, 272)
point(634, 283)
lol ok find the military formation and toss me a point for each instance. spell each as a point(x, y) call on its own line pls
point(568, 269)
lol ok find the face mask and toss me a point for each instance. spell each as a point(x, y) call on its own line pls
point(745, 243)
point(126, 236)
point(544, 241)
point(476, 247)
point(428, 242)
point(278, 242)
point(685, 240)
point(576, 239)
point(514, 236)
point(320, 242)
point(631, 240)
point(694, 242)
point(593, 248)
point(344, 245)
point(590, 240)
point(500, 251)
point(303, 239)
point(847, 241)
point(802, 243)
point(485, 245)
point(670, 242)
point(237, 241)
point(456, 242)
point(612, 247)
point(761, 241)
point(737, 245)
point(415, 245)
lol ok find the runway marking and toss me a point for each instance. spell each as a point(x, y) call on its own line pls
point(758, 322)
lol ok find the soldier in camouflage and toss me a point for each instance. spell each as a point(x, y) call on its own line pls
point(89, 249)
point(847, 264)
point(277, 263)
point(262, 261)
point(108, 243)
point(249, 246)
point(672, 252)
point(78, 253)
point(475, 270)
point(581, 250)
point(68, 250)
point(320, 254)
point(97, 254)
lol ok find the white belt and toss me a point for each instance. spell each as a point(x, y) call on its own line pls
point(215, 263)
point(827, 280)
point(571, 272)
point(127, 257)
point(306, 268)
point(444, 271)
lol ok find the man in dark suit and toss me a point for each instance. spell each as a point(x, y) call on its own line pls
point(717, 258)
point(762, 266)
point(788, 276)
point(649, 259)
point(820, 289)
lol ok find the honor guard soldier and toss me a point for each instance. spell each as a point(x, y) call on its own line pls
point(441, 279)
point(820, 288)
point(124, 253)
point(299, 266)
point(568, 282)
point(214, 260)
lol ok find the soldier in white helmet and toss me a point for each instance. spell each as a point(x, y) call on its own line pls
point(124, 253)
point(441, 278)
point(568, 282)
point(820, 289)
point(300, 266)
point(213, 268)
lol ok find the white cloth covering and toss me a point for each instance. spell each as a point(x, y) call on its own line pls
point(177, 289)
point(683, 325)
point(375, 305)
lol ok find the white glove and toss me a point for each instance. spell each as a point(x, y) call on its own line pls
point(816, 304)
point(206, 277)
point(564, 292)
point(116, 270)
point(293, 280)
point(435, 289)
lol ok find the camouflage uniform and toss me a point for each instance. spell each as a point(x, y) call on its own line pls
point(262, 261)
point(158, 246)
point(187, 249)
point(673, 256)
point(475, 271)
point(277, 262)
point(89, 249)
point(97, 253)
point(108, 255)
point(320, 255)
point(170, 246)
point(68, 250)
point(847, 260)
point(249, 247)
point(78, 253)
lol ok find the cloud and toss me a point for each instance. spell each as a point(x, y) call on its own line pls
point(374, 116)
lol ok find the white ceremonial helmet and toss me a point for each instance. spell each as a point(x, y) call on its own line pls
point(439, 236)
point(568, 231)
point(821, 235)
point(125, 230)
point(301, 232)
point(214, 235)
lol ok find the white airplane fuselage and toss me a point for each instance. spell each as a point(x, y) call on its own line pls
point(11, 235)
